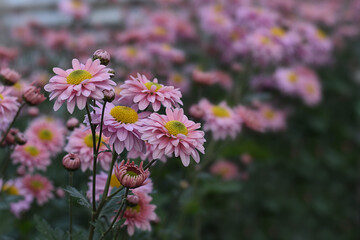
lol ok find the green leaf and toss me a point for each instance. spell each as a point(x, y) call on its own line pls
point(46, 231)
point(81, 199)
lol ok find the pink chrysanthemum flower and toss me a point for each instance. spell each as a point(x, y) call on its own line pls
point(310, 91)
point(79, 83)
point(272, 119)
point(15, 187)
point(76, 8)
point(144, 92)
point(220, 120)
point(287, 79)
point(179, 81)
point(148, 155)
point(131, 175)
point(81, 143)
point(32, 155)
point(49, 132)
point(174, 134)
point(139, 212)
point(8, 104)
point(250, 118)
point(227, 170)
point(121, 125)
point(39, 187)
point(100, 185)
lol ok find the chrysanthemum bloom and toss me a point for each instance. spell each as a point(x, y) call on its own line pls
point(148, 155)
point(49, 132)
point(100, 185)
point(227, 170)
point(144, 92)
point(272, 119)
point(32, 155)
point(215, 20)
point(131, 175)
point(310, 91)
point(165, 52)
point(16, 187)
point(8, 105)
point(121, 125)
point(132, 56)
point(39, 187)
point(32, 96)
point(76, 8)
point(179, 81)
point(139, 212)
point(250, 118)
point(174, 134)
point(9, 77)
point(76, 85)
point(80, 142)
point(287, 80)
point(220, 120)
point(71, 162)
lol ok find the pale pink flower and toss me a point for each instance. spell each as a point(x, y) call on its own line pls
point(148, 155)
point(8, 104)
point(76, 8)
point(139, 212)
point(49, 132)
point(221, 120)
point(173, 134)
point(144, 92)
point(80, 142)
point(165, 52)
point(272, 118)
point(76, 85)
point(100, 185)
point(16, 187)
point(32, 155)
point(215, 20)
point(121, 126)
point(132, 56)
point(227, 170)
point(131, 175)
point(179, 81)
point(310, 91)
point(250, 118)
point(287, 79)
point(39, 187)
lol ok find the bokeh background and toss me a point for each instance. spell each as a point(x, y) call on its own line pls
point(296, 181)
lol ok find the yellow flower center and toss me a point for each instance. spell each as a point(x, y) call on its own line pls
point(17, 86)
point(265, 40)
point(132, 51)
point(76, 4)
point(33, 151)
point(36, 185)
point(218, 8)
point(234, 36)
point(219, 20)
point(148, 85)
point(220, 112)
point(269, 114)
point(178, 78)
point(293, 77)
point(321, 34)
point(277, 31)
point(88, 140)
point(1, 97)
point(133, 207)
point(160, 31)
point(77, 76)
point(175, 127)
point(114, 182)
point(45, 134)
point(10, 189)
point(124, 114)
point(166, 47)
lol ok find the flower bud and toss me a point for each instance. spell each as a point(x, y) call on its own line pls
point(196, 111)
point(32, 96)
point(112, 73)
point(20, 138)
point(130, 175)
point(10, 137)
point(9, 77)
point(33, 111)
point(71, 162)
point(103, 56)
point(72, 123)
point(109, 95)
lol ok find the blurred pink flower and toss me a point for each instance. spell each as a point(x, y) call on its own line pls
point(75, 8)
point(48, 132)
point(8, 104)
point(80, 142)
point(174, 134)
point(100, 185)
point(227, 170)
point(32, 155)
point(79, 83)
point(39, 187)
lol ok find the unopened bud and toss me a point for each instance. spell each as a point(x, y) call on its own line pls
point(32, 96)
point(71, 162)
point(10, 137)
point(72, 123)
point(33, 111)
point(20, 138)
point(103, 56)
point(9, 77)
point(196, 111)
point(109, 95)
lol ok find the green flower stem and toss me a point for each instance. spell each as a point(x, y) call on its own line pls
point(119, 214)
point(101, 127)
point(70, 205)
point(12, 123)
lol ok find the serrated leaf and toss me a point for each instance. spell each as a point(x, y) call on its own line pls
point(81, 199)
point(46, 231)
